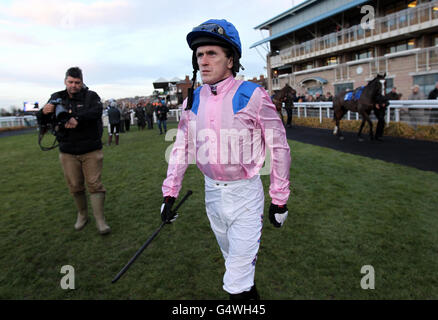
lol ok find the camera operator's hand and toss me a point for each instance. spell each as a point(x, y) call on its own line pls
point(48, 108)
point(71, 124)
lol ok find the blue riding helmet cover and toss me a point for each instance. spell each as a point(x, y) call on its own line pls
point(221, 30)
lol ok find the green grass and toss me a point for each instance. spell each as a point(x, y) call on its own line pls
point(346, 211)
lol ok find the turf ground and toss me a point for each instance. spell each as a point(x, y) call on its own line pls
point(346, 211)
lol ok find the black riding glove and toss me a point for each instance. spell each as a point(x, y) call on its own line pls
point(167, 215)
point(277, 214)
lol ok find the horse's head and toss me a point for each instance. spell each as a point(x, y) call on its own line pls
point(288, 91)
point(377, 85)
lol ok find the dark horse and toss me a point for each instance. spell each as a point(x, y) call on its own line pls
point(372, 95)
point(286, 93)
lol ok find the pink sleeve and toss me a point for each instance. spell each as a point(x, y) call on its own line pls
point(275, 139)
point(180, 156)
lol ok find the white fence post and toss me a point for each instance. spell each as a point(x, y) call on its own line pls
point(388, 115)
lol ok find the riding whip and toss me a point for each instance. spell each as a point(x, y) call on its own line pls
point(144, 246)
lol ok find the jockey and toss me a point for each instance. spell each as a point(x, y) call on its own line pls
point(226, 126)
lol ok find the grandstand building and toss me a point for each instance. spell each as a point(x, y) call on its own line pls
point(329, 45)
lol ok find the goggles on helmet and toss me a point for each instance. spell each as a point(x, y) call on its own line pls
point(214, 28)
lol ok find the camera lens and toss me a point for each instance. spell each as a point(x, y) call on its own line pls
point(62, 114)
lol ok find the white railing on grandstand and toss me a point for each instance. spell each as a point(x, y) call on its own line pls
point(23, 121)
point(416, 112)
point(411, 18)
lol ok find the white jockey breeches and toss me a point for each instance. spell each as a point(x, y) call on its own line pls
point(235, 211)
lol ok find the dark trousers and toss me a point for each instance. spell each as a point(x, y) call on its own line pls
point(127, 124)
point(380, 115)
point(289, 115)
point(114, 127)
point(160, 124)
point(150, 121)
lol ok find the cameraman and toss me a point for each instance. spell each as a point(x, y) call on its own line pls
point(80, 145)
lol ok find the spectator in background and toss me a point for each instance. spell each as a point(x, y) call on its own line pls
point(114, 121)
point(141, 116)
point(433, 95)
point(415, 116)
point(393, 95)
point(319, 97)
point(288, 105)
point(150, 114)
point(329, 96)
point(301, 97)
point(162, 111)
point(309, 98)
point(126, 116)
point(416, 93)
point(132, 112)
point(122, 121)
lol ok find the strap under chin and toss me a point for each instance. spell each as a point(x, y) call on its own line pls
point(191, 90)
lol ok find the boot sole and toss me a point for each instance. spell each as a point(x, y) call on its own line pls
point(82, 227)
point(105, 232)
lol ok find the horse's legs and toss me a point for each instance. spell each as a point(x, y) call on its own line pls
point(359, 134)
point(281, 116)
point(337, 131)
point(371, 128)
point(365, 117)
point(278, 106)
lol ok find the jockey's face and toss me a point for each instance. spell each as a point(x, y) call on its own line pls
point(214, 65)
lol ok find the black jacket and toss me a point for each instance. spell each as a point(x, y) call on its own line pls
point(393, 96)
point(162, 112)
point(113, 115)
point(433, 95)
point(86, 108)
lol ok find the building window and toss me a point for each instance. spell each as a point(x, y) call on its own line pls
point(308, 66)
point(331, 61)
point(402, 46)
point(363, 54)
point(314, 90)
point(343, 87)
point(389, 85)
point(305, 66)
point(426, 82)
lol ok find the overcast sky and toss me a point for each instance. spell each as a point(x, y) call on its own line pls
point(122, 46)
